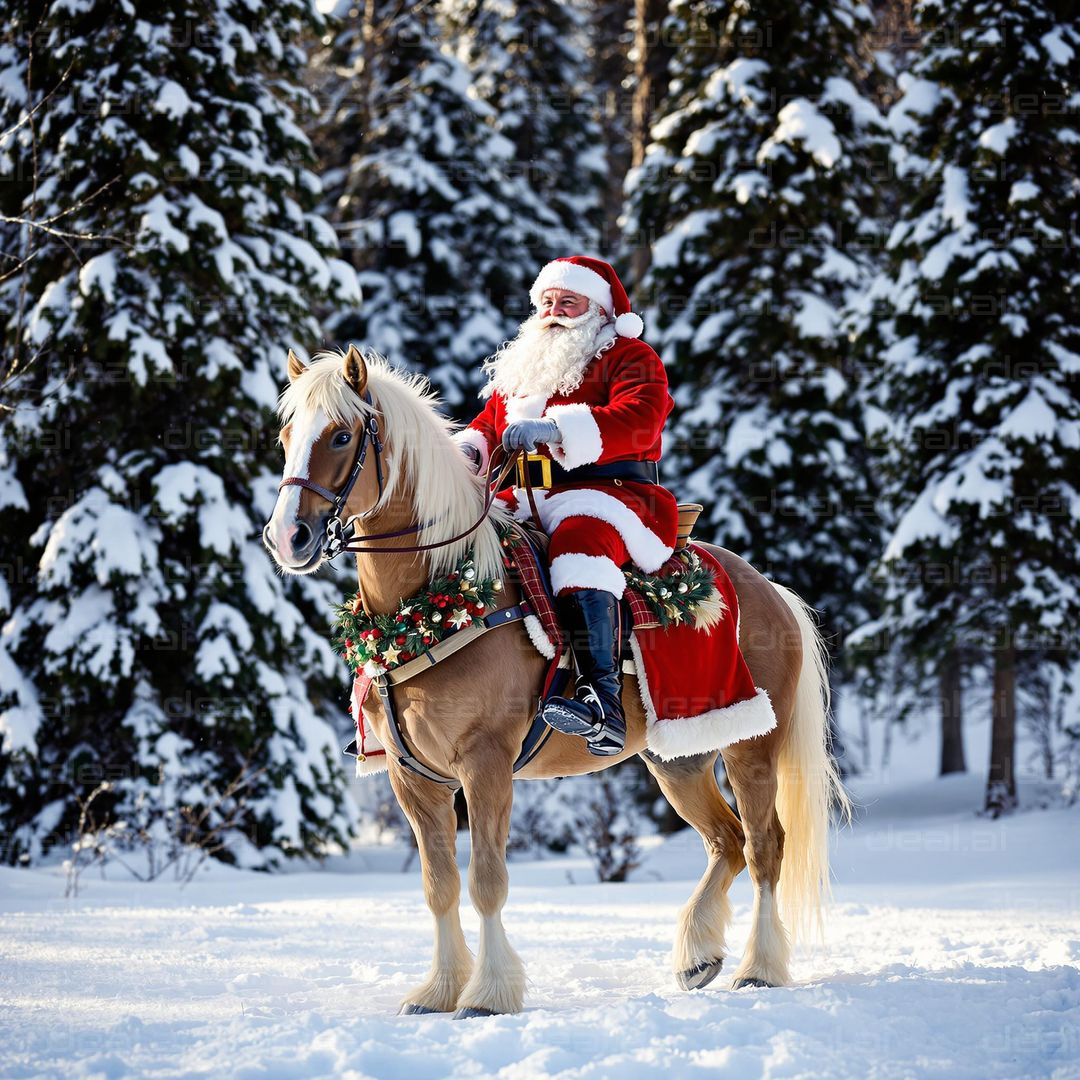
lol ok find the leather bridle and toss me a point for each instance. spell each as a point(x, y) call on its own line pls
point(341, 536)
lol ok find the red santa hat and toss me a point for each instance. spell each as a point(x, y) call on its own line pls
point(595, 279)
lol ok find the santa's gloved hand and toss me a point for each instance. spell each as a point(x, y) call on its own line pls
point(473, 454)
point(525, 434)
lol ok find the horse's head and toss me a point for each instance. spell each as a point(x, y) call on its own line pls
point(328, 430)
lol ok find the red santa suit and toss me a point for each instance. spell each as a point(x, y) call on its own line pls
point(616, 414)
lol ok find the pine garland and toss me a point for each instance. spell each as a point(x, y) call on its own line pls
point(683, 591)
point(379, 643)
point(681, 594)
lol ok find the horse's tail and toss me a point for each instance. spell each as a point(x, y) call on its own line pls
point(808, 785)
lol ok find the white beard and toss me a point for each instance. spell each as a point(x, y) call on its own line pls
point(548, 356)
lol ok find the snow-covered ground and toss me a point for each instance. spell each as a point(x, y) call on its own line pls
point(953, 951)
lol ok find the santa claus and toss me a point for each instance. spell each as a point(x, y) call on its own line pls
point(580, 392)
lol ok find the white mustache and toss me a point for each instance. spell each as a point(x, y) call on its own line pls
point(563, 320)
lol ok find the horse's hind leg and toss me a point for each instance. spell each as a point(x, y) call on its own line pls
point(497, 984)
point(751, 768)
point(689, 784)
point(430, 810)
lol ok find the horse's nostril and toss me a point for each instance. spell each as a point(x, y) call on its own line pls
point(266, 535)
point(301, 536)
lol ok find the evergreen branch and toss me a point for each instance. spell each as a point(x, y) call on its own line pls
point(27, 117)
point(61, 233)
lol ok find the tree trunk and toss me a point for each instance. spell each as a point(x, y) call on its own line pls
point(653, 54)
point(611, 75)
point(1001, 780)
point(952, 716)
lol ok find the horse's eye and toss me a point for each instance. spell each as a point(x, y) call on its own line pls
point(342, 438)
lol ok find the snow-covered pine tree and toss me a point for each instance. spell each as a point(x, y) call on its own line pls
point(979, 314)
point(757, 196)
point(441, 224)
point(528, 64)
point(170, 256)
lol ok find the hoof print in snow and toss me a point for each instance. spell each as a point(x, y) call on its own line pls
point(696, 977)
point(469, 1013)
point(408, 1009)
point(741, 984)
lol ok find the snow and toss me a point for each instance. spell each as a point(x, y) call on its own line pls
point(19, 722)
point(920, 98)
point(955, 201)
point(800, 121)
point(184, 487)
point(1023, 191)
point(953, 946)
point(173, 101)
point(815, 316)
point(155, 226)
point(99, 272)
point(736, 81)
point(1031, 420)
point(667, 251)
point(997, 136)
point(1061, 52)
point(113, 539)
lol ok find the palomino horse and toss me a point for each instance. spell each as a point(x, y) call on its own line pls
point(465, 721)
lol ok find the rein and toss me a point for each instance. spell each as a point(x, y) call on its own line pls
point(341, 536)
point(358, 544)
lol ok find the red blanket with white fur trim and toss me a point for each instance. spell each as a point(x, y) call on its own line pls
point(696, 690)
point(695, 687)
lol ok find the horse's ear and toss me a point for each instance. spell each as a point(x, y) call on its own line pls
point(296, 366)
point(355, 370)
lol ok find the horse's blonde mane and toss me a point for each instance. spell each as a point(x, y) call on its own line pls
point(419, 451)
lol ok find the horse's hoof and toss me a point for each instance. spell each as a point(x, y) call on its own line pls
point(409, 1009)
point(739, 984)
point(468, 1013)
point(696, 977)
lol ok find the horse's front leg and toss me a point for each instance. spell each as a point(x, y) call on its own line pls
point(497, 984)
point(430, 810)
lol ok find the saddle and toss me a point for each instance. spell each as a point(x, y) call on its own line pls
point(637, 614)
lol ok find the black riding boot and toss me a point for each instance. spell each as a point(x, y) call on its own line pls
point(591, 620)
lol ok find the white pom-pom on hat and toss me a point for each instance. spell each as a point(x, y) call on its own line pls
point(629, 324)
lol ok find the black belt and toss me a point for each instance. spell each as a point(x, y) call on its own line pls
point(545, 473)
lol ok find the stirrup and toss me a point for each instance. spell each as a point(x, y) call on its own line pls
point(603, 739)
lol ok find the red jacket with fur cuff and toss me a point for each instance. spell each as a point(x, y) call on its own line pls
point(616, 414)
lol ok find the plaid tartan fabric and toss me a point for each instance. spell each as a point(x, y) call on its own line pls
point(526, 550)
point(534, 589)
point(640, 612)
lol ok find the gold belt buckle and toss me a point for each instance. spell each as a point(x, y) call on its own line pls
point(545, 469)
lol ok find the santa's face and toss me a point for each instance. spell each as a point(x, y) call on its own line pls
point(552, 348)
point(562, 302)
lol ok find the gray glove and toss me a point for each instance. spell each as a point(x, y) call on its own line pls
point(525, 434)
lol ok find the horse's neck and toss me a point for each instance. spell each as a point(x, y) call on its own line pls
point(384, 579)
